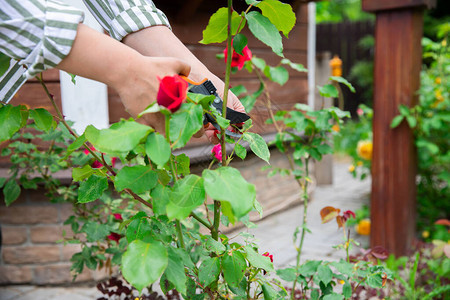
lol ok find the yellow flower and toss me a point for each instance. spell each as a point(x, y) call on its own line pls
point(351, 168)
point(359, 163)
point(364, 149)
point(363, 227)
point(336, 127)
point(439, 98)
point(425, 234)
point(341, 281)
point(438, 80)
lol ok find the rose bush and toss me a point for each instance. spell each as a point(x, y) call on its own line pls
point(151, 232)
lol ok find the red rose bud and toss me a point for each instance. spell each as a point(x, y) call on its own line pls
point(267, 254)
point(97, 165)
point(118, 217)
point(114, 237)
point(238, 60)
point(172, 91)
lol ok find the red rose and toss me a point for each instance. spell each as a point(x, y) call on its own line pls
point(118, 217)
point(238, 60)
point(172, 91)
point(114, 237)
point(267, 254)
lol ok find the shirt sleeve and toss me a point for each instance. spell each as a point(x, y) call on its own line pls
point(37, 35)
point(121, 17)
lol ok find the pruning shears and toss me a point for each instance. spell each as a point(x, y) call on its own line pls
point(206, 87)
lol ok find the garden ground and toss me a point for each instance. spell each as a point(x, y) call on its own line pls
point(274, 235)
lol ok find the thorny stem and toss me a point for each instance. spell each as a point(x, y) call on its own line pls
point(304, 223)
point(215, 228)
point(175, 179)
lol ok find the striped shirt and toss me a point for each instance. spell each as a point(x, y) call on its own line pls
point(38, 34)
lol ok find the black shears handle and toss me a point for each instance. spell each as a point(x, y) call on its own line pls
point(206, 87)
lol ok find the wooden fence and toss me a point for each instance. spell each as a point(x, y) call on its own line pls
point(343, 39)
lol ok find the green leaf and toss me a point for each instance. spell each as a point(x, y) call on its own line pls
point(347, 290)
point(252, 2)
point(333, 296)
point(324, 274)
point(209, 270)
point(396, 121)
point(279, 14)
point(279, 74)
point(2, 181)
point(240, 151)
point(5, 61)
point(258, 145)
point(268, 292)
point(139, 179)
point(295, 66)
point(185, 123)
point(239, 43)
point(11, 191)
point(375, 281)
point(157, 148)
point(216, 31)
point(143, 263)
point(412, 122)
point(234, 266)
point(76, 144)
point(258, 260)
point(175, 269)
point(265, 31)
point(10, 121)
point(139, 228)
point(91, 189)
point(344, 82)
point(186, 195)
point(404, 110)
point(214, 246)
point(287, 274)
point(309, 268)
point(95, 231)
point(160, 199)
point(80, 174)
point(183, 163)
point(328, 91)
point(227, 184)
point(121, 137)
point(42, 118)
point(238, 90)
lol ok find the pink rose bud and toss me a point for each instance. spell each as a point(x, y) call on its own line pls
point(217, 151)
point(359, 111)
point(172, 92)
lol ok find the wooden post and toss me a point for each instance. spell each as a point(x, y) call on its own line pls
point(398, 59)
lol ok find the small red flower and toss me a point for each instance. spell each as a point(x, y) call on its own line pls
point(118, 217)
point(238, 60)
point(217, 151)
point(267, 254)
point(172, 92)
point(114, 237)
